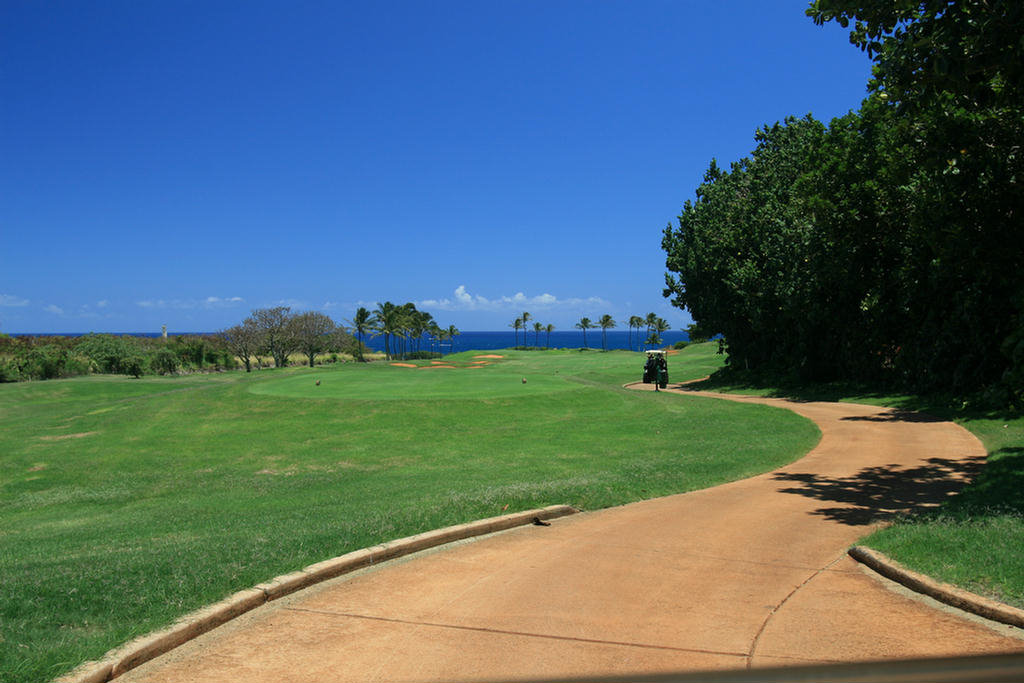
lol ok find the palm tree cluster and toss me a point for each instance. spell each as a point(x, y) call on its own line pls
point(655, 327)
point(605, 322)
point(403, 328)
point(520, 324)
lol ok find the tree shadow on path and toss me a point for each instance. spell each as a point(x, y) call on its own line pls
point(882, 493)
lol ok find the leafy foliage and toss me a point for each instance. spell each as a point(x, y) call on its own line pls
point(886, 245)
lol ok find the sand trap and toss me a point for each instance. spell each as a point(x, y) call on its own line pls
point(438, 367)
point(403, 365)
point(489, 355)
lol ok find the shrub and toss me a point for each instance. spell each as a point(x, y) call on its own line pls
point(44, 362)
point(9, 371)
point(164, 361)
point(110, 353)
point(77, 364)
point(133, 365)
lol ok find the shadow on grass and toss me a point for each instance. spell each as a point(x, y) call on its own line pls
point(877, 494)
point(999, 489)
point(946, 407)
point(897, 415)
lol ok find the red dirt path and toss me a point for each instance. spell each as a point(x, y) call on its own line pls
point(749, 573)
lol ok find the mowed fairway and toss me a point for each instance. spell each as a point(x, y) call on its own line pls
point(126, 503)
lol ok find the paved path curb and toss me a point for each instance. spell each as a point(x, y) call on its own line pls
point(192, 625)
point(943, 592)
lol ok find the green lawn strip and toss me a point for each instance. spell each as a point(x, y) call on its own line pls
point(976, 539)
point(126, 503)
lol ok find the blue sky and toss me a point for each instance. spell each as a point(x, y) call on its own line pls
point(182, 163)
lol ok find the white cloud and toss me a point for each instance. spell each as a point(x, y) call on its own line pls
point(11, 300)
point(56, 310)
point(102, 304)
point(463, 300)
point(218, 302)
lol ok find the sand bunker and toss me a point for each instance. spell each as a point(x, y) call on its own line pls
point(403, 365)
point(438, 367)
point(489, 355)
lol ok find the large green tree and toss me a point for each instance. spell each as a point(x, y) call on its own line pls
point(886, 244)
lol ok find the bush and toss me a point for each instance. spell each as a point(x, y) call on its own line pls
point(680, 345)
point(9, 371)
point(164, 362)
point(110, 353)
point(420, 355)
point(134, 366)
point(77, 364)
point(44, 362)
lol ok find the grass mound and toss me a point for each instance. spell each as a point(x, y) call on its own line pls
point(126, 503)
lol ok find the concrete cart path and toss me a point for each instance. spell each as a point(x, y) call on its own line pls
point(748, 573)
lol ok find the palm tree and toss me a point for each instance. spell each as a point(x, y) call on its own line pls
point(584, 324)
point(362, 323)
point(525, 317)
point(548, 329)
point(637, 322)
point(436, 335)
point(419, 325)
point(537, 328)
point(387, 320)
point(660, 327)
point(649, 321)
point(453, 332)
point(517, 324)
point(605, 323)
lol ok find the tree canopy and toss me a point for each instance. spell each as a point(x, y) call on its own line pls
point(886, 244)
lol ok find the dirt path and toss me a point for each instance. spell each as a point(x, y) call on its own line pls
point(749, 573)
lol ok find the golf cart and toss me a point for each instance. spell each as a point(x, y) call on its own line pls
point(656, 369)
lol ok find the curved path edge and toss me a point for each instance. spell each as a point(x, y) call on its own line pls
point(891, 569)
point(943, 592)
point(205, 619)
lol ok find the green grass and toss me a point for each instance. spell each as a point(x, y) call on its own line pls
point(126, 503)
point(976, 539)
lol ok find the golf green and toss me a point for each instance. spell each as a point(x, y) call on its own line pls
point(396, 382)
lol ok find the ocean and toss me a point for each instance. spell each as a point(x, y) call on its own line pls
point(560, 339)
point(480, 341)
